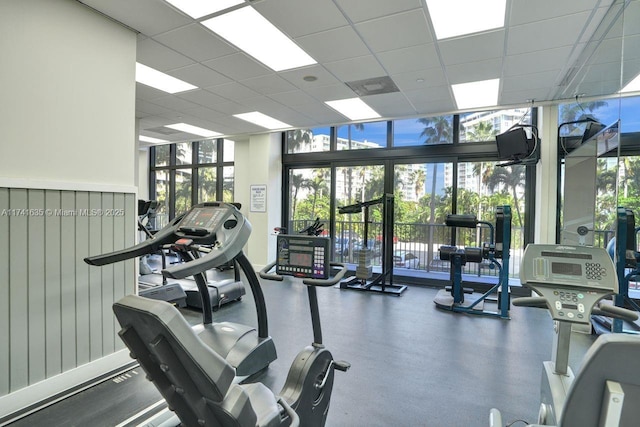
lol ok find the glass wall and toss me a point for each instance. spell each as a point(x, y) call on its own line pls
point(434, 166)
point(186, 173)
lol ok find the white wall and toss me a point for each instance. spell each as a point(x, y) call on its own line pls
point(143, 173)
point(258, 161)
point(68, 94)
point(67, 111)
point(546, 176)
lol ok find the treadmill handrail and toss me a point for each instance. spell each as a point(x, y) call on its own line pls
point(148, 246)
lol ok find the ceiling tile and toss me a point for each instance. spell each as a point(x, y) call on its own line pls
point(390, 104)
point(233, 91)
point(148, 93)
point(196, 42)
point(433, 100)
point(362, 10)
point(149, 17)
point(238, 66)
point(333, 45)
point(203, 97)
point(472, 48)
point(331, 92)
point(522, 97)
point(149, 108)
point(541, 80)
point(359, 68)
point(532, 62)
point(296, 76)
point(314, 15)
point(205, 113)
point(176, 103)
point(409, 28)
point(268, 84)
point(474, 71)
point(155, 55)
point(548, 34)
point(293, 98)
point(525, 12)
point(409, 59)
point(321, 113)
point(421, 79)
point(199, 75)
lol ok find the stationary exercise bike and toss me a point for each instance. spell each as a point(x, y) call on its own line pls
point(570, 282)
point(198, 384)
point(310, 380)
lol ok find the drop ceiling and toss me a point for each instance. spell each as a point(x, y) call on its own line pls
point(548, 50)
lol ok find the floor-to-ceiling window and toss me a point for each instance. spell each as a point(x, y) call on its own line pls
point(187, 173)
point(433, 166)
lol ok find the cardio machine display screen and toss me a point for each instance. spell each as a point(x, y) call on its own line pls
point(206, 218)
point(301, 259)
point(566, 268)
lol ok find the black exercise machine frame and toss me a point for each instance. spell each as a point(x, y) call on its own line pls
point(384, 282)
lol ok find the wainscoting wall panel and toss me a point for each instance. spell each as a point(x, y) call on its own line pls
point(55, 310)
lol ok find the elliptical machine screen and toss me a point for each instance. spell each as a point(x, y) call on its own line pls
point(303, 256)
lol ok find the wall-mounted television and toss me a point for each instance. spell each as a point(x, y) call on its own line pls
point(513, 144)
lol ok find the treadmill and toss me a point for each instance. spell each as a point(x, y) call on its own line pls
point(207, 236)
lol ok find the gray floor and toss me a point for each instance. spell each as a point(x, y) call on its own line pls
point(412, 364)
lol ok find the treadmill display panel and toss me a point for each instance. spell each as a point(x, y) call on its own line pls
point(204, 218)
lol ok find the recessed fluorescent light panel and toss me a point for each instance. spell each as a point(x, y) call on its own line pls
point(159, 80)
point(633, 86)
point(199, 8)
point(476, 94)
point(151, 140)
point(252, 33)
point(195, 130)
point(453, 18)
point(257, 118)
point(353, 108)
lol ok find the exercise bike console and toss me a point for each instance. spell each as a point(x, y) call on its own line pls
point(570, 280)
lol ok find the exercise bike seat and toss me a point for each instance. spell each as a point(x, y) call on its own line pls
point(196, 382)
point(613, 357)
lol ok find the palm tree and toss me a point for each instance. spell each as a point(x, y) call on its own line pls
point(577, 111)
point(512, 177)
point(297, 137)
point(437, 130)
point(317, 185)
point(482, 131)
point(296, 181)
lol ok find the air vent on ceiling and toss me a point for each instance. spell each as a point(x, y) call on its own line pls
point(374, 86)
point(163, 130)
point(571, 73)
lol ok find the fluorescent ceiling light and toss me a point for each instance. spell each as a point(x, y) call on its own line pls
point(152, 140)
point(199, 8)
point(632, 86)
point(257, 118)
point(353, 108)
point(195, 130)
point(252, 33)
point(453, 18)
point(156, 79)
point(483, 93)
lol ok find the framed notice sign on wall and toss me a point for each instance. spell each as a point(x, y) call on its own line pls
point(258, 198)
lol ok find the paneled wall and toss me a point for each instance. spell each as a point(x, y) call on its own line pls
point(55, 310)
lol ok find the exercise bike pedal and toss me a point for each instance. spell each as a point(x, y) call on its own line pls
point(341, 365)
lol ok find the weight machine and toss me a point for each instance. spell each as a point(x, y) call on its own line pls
point(384, 282)
point(453, 297)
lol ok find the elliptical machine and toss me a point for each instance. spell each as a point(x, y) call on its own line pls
point(207, 236)
point(570, 282)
